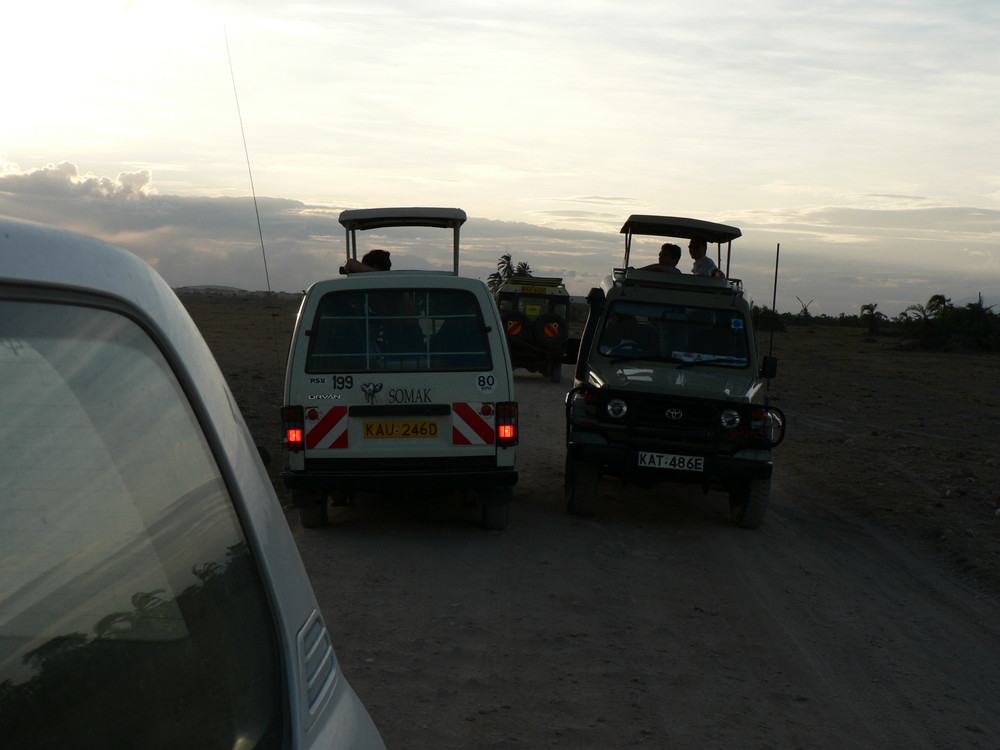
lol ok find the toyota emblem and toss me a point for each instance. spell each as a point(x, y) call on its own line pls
point(674, 414)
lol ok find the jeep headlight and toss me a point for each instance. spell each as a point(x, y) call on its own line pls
point(730, 419)
point(617, 408)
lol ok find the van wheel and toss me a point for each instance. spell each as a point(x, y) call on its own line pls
point(748, 502)
point(581, 486)
point(555, 372)
point(312, 508)
point(496, 507)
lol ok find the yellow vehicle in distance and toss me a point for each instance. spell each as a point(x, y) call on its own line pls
point(535, 314)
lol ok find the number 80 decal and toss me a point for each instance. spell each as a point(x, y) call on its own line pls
point(486, 382)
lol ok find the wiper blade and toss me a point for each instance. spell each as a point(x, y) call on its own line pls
point(643, 357)
point(709, 359)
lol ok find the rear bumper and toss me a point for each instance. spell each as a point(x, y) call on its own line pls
point(396, 480)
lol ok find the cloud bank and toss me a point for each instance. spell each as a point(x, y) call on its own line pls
point(840, 258)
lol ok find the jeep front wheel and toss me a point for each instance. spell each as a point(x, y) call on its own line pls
point(748, 502)
point(581, 486)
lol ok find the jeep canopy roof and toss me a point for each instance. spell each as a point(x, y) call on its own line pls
point(375, 218)
point(675, 226)
point(363, 219)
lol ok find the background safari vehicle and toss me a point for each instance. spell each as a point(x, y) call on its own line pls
point(152, 594)
point(399, 381)
point(669, 384)
point(535, 313)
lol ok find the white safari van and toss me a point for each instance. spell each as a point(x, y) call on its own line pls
point(151, 594)
point(399, 381)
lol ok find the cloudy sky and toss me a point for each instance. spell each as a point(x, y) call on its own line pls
point(861, 137)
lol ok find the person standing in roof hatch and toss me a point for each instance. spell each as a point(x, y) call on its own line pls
point(670, 254)
point(373, 260)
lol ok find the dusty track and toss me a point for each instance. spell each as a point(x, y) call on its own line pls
point(862, 614)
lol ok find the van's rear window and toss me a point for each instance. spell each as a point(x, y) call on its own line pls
point(398, 330)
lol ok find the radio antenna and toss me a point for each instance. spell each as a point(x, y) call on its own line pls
point(246, 151)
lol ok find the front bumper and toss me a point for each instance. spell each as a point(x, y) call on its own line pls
point(672, 425)
point(623, 461)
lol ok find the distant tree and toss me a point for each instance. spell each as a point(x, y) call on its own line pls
point(505, 270)
point(916, 317)
point(872, 317)
point(804, 312)
point(766, 319)
point(937, 305)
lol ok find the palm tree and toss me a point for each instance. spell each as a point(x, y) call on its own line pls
point(936, 305)
point(506, 269)
point(872, 317)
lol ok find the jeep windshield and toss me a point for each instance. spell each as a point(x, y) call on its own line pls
point(636, 330)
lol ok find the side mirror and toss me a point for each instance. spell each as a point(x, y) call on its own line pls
point(572, 352)
point(596, 297)
point(769, 367)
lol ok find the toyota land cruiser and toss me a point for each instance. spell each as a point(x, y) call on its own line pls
point(669, 385)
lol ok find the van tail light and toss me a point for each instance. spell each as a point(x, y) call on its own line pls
point(293, 428)
point(507, 424)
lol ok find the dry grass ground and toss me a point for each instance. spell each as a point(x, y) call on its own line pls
point(861, 614)
point(907, 439)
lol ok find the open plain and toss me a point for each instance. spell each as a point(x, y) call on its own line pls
point(865, 612)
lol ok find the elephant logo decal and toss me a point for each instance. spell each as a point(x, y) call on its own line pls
point(370, 389)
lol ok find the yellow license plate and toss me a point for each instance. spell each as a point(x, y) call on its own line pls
point(402, 429)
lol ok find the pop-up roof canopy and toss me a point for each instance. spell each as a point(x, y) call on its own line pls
point(376, 218)
point(361, 219)
point(676, 226)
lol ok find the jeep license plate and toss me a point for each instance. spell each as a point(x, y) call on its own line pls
point(402, 429)
point(672, 461)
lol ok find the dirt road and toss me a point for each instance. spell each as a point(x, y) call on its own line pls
point(863, 614)
point(651, 625)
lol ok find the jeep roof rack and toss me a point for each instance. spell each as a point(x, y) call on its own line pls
point(677, 226)
point(536, 280)
point(636, 277)
point(361, 219)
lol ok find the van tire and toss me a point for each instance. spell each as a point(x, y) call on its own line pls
point(312, 508)
point(496, 507)
point(555, 372)
point(581, 486)
point(748, 502)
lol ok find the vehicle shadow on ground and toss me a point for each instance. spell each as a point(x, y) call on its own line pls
point(662, 505)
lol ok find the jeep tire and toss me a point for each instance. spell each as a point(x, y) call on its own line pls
point(748, 502)
point(538, 330)
point(581, 486)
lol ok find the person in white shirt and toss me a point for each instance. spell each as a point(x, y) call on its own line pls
point(703, 264)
